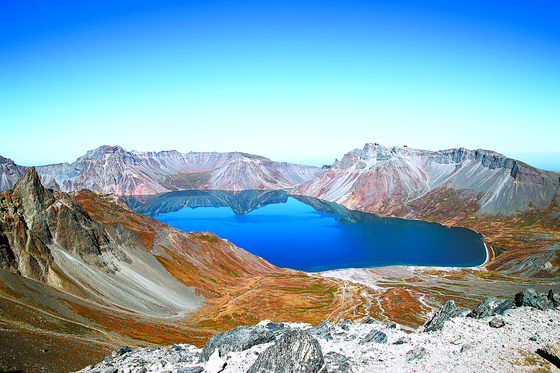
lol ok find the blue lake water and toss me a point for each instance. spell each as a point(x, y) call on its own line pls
point(312, 235)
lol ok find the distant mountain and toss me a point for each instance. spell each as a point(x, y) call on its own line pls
point(9, 173)
point(112, 169)
point(406, 182)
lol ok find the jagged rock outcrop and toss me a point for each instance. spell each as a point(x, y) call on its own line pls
point(237, 339)
point(32, 218)
point(530, 298)
point(446, 312)
point(402, 181)
point(112, 169)
point(490, 307)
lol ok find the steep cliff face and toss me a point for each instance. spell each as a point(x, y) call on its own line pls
point(397, 181)
point(112, 169)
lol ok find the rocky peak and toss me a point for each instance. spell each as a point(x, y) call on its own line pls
point(102, 151)
point(6, 161)
point(32, 218)
point(381, 152)
point(33, 200)
point(24, 228)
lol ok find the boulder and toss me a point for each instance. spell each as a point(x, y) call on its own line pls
point(338, 363)
point(375, 336)
point(416, 354)
point(491, 307)
point(320, 330)
point(121, 351)
point(345, 324)
point(392, 325)
point(530, 298)
point(295, 352)
point(237, 339)
point(276, 329)
point(554, 298)
point(497, 322)
point(446, 312)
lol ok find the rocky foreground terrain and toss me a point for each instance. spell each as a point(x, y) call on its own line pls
point(497, 336)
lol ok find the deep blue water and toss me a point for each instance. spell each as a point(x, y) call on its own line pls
point(313, 235)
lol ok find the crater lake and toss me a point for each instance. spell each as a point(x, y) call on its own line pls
point(312, 235)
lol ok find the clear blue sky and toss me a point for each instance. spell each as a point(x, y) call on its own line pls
point(299, 81)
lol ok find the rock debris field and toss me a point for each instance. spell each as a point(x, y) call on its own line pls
point(497, 336)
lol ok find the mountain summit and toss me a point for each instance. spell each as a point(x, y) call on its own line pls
point(112, 169)
point(400, 181)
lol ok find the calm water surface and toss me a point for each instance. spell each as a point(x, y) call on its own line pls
point(312, 235)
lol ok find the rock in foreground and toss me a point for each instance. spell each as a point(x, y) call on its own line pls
point(463, 344)
point(295, 352)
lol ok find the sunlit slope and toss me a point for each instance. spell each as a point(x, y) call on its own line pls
point(113, 169)
point(385, 180)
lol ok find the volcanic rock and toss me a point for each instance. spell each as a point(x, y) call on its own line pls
point(295, 352)
point(375, 336)
point(530, 298)
point(446, 312)
point(490, 307)
point(237, 339)
point(554, 298)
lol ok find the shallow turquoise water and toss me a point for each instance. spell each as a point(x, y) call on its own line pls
point(312, 235)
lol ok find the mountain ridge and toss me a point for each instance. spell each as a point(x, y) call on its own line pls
point(112, 169)
point(384, 180)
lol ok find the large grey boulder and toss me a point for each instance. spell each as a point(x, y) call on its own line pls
point(295, 352)
point(530, 298)
point(321, 330)
point(345, 324)
point(237, 339)
point(491, 307)
point(338, 363)
point(416, 354)
point(375, 336)
point(446, 312)
point(554, 298)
